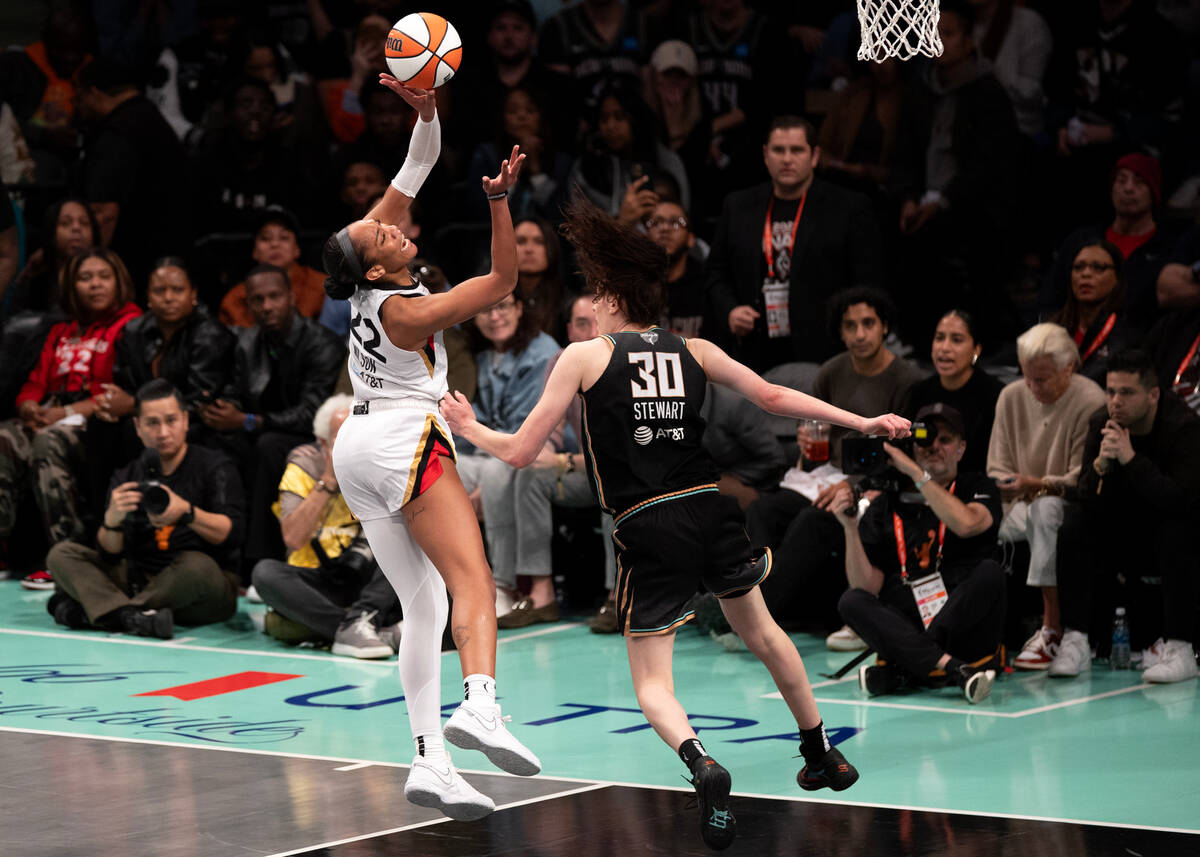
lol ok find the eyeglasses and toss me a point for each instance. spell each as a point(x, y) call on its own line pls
point(503, 308)
point(1098, 267)
point(670, 223)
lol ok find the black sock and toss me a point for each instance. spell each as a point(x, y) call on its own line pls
point(814, 743)
point(691, 750)
point(958, 671)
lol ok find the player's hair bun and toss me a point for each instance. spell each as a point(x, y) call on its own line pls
point(341, 282)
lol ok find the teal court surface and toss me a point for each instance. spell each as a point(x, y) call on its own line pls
point(224, 742)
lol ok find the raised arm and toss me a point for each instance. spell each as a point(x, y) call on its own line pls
point(523, 447)
point(424, 148)
point(409, 322)
point(773, 398)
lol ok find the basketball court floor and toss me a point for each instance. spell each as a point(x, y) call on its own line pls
point(224, 743)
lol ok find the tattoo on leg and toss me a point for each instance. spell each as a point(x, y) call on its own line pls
point(462, 635)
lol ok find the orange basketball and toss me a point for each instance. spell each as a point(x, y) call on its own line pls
point(423, 50)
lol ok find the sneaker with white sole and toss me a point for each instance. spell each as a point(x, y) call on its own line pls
point(1176, 663)
point(1073, 657)
point(441, 787)
point(978, 686)
point(252, 595)
point(357, 638)
point(481, 727)
point(845, 639)
point(38, 581)
point(1149, 657)
point(1039, 650)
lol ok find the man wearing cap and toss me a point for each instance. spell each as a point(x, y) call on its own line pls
point(1136, 192)
point(925, 593)
point(276, 242)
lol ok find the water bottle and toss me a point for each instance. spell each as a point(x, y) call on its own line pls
point(1118, 659)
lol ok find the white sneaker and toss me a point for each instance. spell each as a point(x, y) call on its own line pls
point(252, 595)
point(1039, 650)
point(481, 727)
point(1074, 655)
point(443, 788)
point(845, 640)
point(1177, 663)
point(358, 638)
point(1151, 656)
point(504, 601)
point(979, 686)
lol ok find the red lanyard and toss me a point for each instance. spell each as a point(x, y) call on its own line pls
point(768, 242)
point(902, 547)
point(1186, 360)
point(1100, 337)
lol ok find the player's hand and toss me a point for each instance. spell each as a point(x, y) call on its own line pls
point(889, 424)
point(421, 100)
point(457, 411)
point(742, 319)
point(510, 170)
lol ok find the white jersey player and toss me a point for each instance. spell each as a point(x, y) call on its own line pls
point(394, 461)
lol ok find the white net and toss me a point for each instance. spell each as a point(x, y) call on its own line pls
point(898, 28)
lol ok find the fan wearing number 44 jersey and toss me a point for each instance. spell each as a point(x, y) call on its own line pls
point(394, 463)
point(642, 388)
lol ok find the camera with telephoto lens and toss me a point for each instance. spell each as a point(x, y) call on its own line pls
point(355, 564)
point(155, 498)
point(864, 456)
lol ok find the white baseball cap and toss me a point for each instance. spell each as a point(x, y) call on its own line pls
point(674, 54)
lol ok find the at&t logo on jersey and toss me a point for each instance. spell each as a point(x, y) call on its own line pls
point(642, 435)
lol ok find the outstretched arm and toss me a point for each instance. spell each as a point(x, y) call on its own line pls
point(723, 369)
point(424, 147)
point(410, 321)
point(523, 447)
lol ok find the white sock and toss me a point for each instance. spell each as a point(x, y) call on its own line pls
point(431, 746)
point(479, 689)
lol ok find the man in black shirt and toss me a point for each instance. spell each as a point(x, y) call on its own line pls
point(130, 158)
point(283, 369)
point(1136, 514)
point(670, 228)
point(924, 591)
point(166, 543)
point(782, 249)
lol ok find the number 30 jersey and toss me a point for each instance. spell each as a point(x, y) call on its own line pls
point(380, 370)
point(641, 422)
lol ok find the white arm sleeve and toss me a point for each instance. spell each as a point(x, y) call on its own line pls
point(423, 149)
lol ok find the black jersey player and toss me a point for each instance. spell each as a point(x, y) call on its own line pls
point(642, 389)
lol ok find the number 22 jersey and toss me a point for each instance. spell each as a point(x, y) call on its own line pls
point(380, 370)
point(642, 425)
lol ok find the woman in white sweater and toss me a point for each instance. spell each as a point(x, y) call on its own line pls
point(1035, 453)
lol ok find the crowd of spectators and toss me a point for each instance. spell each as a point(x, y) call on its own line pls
point(1006, 234)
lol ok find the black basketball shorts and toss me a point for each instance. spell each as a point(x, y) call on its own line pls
point(670, 549)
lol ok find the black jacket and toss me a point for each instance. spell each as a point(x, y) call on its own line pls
point(1162, 476)
point(308, 360)
point(837, 246)
point(197, 360)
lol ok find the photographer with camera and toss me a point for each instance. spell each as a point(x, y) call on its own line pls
point(166, 542)
point(330, 588)
point(924, 591)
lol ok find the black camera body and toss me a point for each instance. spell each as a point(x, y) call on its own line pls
point(864, 456)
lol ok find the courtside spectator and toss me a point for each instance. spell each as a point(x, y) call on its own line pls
point(595, 43)
point(1178, 284)
point(277, 242)
point(823, 239)
point(164, 547)
point(41, 449)
point(284, 367)
point(540, 272)
point(330, 588)
point(1096, 313)
point(686, 307)
point(1035, 456)
point(1135, 519)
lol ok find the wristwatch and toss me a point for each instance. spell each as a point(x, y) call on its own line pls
point(570, 463)
point(187, 517)
point(920, 483)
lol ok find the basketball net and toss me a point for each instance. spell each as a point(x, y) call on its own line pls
point(898, 28)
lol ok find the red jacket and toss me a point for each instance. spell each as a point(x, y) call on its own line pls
point(72, 362)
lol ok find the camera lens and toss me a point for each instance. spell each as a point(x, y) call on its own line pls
point(155, 499)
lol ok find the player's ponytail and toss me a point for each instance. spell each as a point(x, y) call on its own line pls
point(342, 265)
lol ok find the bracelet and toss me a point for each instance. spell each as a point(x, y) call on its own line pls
point(920, 483)
point(570, 463)
point(249, 423)
point(187, 517)
point(495, 196)
point(105, 526)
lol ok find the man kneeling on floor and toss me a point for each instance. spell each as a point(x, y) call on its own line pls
point(173, 520)
point(924, 591)
point(330, 589)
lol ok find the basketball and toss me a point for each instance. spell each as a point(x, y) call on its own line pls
point(423, 50)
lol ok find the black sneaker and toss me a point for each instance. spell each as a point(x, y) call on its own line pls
point(148, 623)
point(832, 771)
point(712, 783)
point(976, 683)
point(881, 679)
point(67, 611)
